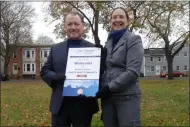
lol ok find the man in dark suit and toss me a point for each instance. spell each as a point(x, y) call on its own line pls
point(67, 110)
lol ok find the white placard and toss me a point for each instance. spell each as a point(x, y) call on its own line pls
point(82, 71)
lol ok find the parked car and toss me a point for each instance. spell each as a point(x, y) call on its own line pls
point(175, 74)
point(4, 77)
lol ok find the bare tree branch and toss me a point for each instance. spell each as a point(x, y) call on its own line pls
point(168, 24)
point(176, 42)
point(181, 46)
point(91, 5)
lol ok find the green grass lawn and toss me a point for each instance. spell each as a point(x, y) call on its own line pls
point(164, 103)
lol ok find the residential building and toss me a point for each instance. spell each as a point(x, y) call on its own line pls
point(28, 60)
point(181, 60)
point(154, 61)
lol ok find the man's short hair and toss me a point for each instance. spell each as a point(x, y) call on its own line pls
point(75, 13)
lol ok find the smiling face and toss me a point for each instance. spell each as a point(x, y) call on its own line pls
point(118, 19)
point(74, 27)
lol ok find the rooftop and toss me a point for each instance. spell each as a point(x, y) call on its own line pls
point(32, 45)
point(154, 51)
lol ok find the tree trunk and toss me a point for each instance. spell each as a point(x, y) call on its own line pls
point(170, 68)
point(97, 40)
point(7, 52)
point(96, 37)
point(6, 61)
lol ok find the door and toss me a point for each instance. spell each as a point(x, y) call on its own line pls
point(15, 68)
point(158, 70)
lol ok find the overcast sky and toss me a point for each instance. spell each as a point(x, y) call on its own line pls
point(39, 26)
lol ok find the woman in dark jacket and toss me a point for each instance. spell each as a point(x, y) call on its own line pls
point(119, 90)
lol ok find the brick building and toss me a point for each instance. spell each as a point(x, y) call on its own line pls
point(27, 61)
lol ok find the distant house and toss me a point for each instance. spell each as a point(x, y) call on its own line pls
point(181, 60)
point(155, 61)
point(28, 60)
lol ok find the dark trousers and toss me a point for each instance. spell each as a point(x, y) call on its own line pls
point(73, 112)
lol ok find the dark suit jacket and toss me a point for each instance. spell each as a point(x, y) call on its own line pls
point(56, 63)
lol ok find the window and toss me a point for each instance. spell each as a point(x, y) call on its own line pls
point(152, 68)
point(177, 68)
point(45, 53)
point(159, 59)
point(32, 67)
point(151, 58)
point(27, 54)
point(28, 67)
point(185, 68)
point(32, 54)
point(164, 68)
point(147, 68)
point(185, 53)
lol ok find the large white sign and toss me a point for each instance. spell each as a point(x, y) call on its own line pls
point(82, 72)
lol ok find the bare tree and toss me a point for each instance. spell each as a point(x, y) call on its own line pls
point(161, 21)
point(15, 27)
point(157, 20)
point(44, 40)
